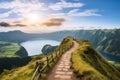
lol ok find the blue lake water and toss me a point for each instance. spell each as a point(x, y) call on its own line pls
point(34, 47)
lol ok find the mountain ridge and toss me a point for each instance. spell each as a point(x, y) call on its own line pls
point(86, 63)
point(105, 41)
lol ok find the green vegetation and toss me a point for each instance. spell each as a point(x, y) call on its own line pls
point(26, 72)
point(116, 64)
point(14, 62)
point(22, 52)
point(47, 49)
point(86, 63)
point(106, 41)
point(21, 73)
point(89, 65)
point(8, 49)
point(65, 45)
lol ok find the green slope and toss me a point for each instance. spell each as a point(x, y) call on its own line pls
point(89, 65)
point(26, 72)
point(8, 49)
point(47, 49)
point(13, 62)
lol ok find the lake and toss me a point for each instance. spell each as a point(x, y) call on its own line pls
point(34, 47)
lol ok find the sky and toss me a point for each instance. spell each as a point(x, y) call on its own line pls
point(39, 16)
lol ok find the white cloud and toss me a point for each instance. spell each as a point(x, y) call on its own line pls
point(89, 12)
point(57, 15)
point(21, 4)
point(4, 15)
point(25, 7)
point(76, 12)
point(73, 11)
point(22, 7)
point(63, 4)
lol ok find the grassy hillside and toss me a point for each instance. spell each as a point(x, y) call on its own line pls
point(116, 64)
point(14, 62)
point(108, 41)
point(21, 73)
point(89, 65)
point(47, 49)
point(26, 72)
point(8, 49)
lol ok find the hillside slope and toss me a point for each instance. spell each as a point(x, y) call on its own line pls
point(86, 63)
point(47, 49)
point(14, 62)
point(90, 65)
point(8, 49)
point(26, 72)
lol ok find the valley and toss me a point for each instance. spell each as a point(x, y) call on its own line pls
point(59, 39)
point(28, 44)
point(87, 63)
point(106, 41)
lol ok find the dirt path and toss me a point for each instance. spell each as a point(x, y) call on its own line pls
point(61, 70)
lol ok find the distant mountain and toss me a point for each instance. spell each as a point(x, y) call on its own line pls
point(106, 41)
point(13, 36)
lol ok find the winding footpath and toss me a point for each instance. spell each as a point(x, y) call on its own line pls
point(62, 70)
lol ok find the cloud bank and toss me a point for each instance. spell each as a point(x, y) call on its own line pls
point(23, 7)
point(54, 22)
point(4, 24)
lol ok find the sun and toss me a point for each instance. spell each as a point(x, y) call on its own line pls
point(33, 18)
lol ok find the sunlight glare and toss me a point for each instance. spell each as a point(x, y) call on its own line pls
point(33, 18)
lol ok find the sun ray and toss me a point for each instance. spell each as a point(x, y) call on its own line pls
point(33, 18)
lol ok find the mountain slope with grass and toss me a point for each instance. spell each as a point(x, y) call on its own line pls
point(8, 49)
point(26, 72)
point(14, 62)
point(88, 64)
point(106, 40)
point(47, 49)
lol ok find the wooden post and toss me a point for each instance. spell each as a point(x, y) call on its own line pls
point(47, 61)
point(63, 50)
point(56, 54)
point(36, 71)
point(52, 57)
point(59, 52)
point(39, 70)
point(36, 65)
